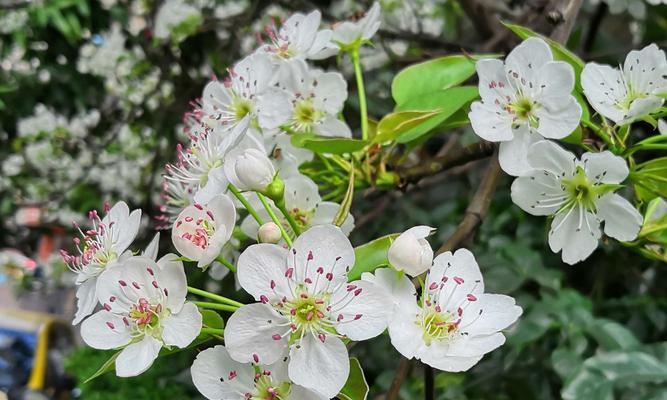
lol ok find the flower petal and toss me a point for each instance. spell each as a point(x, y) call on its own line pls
point(322, 367)
point(538, 193)
point(488, 314)
point(556, 79)
point(576, 232)
point(605, 167)
point(273, 109)
point(644, 68)
point(449, 364)
point(490, 122)
point(330, 92)
point(405, 335)
point(172, 278)
point(260, 267)
point(547, 156)
point(362, 312)
point(217, 376)
point(153, 247)
point(622, 221)
point(331, 126)
point(326, 212)
point(400, 290)
point(249, 334)
point(182, 328)
point(86, 299)
point(301, 193)
point(475, 346)
point(513, 154)
point(558, 117)
point(137, 357)
point(454, 276)
point(604, 89)
point(105, 330)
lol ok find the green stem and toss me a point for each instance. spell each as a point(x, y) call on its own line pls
point(275, 219)
point(213, 296)
point(226, 263)
point(215, 306)
point(290, 219)
point(354, 54)
point(213, 331)
point(244, 201)
point(600, 133)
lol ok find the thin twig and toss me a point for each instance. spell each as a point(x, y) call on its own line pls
point(401, 372)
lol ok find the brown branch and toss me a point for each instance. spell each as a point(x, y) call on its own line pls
point(478, 15)
point(452, 158)
point(569, 11)
point(401, 373)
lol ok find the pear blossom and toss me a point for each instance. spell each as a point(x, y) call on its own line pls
point(269, 233)
point(305, 205)
point(201, 231)
point(100, 247)
point(250, 169)
point(350, 34)
point(631, 93)
point(218, 377)
point(317, 98)
point(143, 310)
point(455, 323)
point(523, 100)
point(411, 252)
point(306, 306)
point(287, 157)
point(247, 96)
point(580, 195)
point(299, 38)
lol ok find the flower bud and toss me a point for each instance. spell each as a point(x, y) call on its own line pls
point(250, 170)
point(411, 252)
point(269, 233)
point(276, 190)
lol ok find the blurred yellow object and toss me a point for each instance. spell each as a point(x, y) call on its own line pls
point(45, 327)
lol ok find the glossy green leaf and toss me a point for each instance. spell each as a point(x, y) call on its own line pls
point(448, 101)
point(442, 73)
point(400, 122)
point(559, 51)
point(108, 366)
point(650, 179)
point(327, 145)
point(356, 387)
point(611, 335)
point(371, 256)
point(212, 319)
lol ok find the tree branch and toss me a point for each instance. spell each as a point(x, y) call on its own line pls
point(401, 372)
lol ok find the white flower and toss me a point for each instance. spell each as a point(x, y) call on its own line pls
point(317, 98)
point(269, 232)
point(455, 323)
point(246, 96)
point(306, 306)
point(300, 38)
point(218, 377)
point(143, 309)
point(200, 231)
point(579, 194)
point(411, 252)
point(347, 34)
point(100, 247)
point(303, 202)
point(171, 14)
point(526, 98)
point(662, 127)
point(287, 157)
point(634, 92)
point(250, 169)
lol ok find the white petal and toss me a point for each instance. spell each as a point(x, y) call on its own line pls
point(410, 252)
point(301, 193)
point(216, 184)
point(105, 330)
point(260, 265)
point(399, 288)
point(325, 213)
point(576, 232)
point(182, 328)
point(301, 393)
point(524, 63)
point(86, 299)
point(153, 247)
point(249, 334)
point(546, 155)
point(123, 285)
point(449, 364)
point(493, 84)
point(330, 92)
point(556, 79)
point(331, 126)
point(406, 336)
point(323, 367)
point(662, 126)
point(454, 276)
point(642, 107)
point(273, 109)
point(488, 314)
point(172, 277)
point(364, 310)
point(513, 154)
point(558, 117)
point(322, 47)
point(604, 88)
point(224, 211)
point(538, 193)
point(137, 357)
point(622, 221)
point(323, 246)
point(217, 376)
point(605, 167)
point(644, 69)
point(490, 122)
point(475, 346)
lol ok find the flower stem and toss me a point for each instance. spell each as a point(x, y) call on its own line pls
point(212, 331)
point(213, 296)
point(215, 306)
point(354, 54)
point(275, 219)
point(290, 219)
point(600, 133)
point(244, 201)
point(226, 263)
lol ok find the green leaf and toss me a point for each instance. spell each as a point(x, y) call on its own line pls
point(356, 387)
point(611, 335)
point(449, 101)
point(433, 75)
point(650, 179)
point(327, 145)
point(212, 319)
point(371, 256)
point(400, 122)
point(559, 51)
point(108, 366)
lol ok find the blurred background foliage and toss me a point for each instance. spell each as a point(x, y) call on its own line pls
point(92, 95)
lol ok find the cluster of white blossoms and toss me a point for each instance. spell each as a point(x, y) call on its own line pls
point(528, 99)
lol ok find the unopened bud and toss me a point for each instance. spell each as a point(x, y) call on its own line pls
point(269, 233)
point(410, 252)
